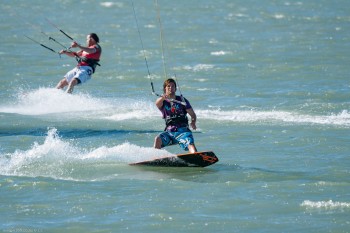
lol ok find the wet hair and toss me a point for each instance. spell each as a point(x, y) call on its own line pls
point(95, 37)
point(166, 82)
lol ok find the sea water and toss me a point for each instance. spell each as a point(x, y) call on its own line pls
point(269, 81)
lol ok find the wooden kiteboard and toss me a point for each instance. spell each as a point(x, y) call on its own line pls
point(197, 159)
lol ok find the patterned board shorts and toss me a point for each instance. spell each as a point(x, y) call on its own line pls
point(183, 137)
point(83, 73)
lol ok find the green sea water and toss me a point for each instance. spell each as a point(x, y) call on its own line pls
point(269, 81)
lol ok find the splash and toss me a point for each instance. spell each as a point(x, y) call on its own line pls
point(60, 159)
point(50, 100)
point(38, 160)
point(45, 101)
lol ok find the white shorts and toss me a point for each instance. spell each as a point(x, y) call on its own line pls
point(83, 73)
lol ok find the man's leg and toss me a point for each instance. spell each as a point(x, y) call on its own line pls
point(61, 84)
point(71, 85)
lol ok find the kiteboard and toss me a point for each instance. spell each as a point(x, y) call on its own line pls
point(197, 159)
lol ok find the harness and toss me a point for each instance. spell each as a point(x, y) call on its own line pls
point(91, 62)
point(180, 120)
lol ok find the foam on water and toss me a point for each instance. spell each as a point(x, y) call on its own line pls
point(111, 4)
point(325, 204)
point(60, 159)
point(50, 100)
point(134, 110)
point(220, 53)
point(44, 101)
point(340, 119)
point(269, 68)
point(199, 67)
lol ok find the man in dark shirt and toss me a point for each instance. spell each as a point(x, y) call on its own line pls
point(174, 109)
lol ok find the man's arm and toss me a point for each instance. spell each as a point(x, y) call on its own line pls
point(159, 102)
point(193, 118)
point(70, 53)
point(88, 49)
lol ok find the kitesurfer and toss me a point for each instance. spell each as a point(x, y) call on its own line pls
point(174, 109)
point(87, 58)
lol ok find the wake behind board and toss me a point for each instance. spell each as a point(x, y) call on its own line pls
point(197, 159)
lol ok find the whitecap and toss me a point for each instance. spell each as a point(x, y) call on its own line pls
point(279, 16)
point(325, 204)
point(199, 67)
point(220, 53)
point(111, 4)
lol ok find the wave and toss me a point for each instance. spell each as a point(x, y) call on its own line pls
point(199, 67)
point(341, 119)
point(45, 101)
point(60, 159)
point(325, 204)
point(220, 53)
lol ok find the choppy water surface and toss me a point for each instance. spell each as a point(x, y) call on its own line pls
point(267, 79)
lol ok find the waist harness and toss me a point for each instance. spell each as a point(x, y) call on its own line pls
point(177, 120)
point(91, 62)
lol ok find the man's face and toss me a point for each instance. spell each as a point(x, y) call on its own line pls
point(170, 88)
point(89, 40)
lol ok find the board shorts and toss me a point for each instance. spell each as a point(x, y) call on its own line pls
point(82, 73)
point(183, 136)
